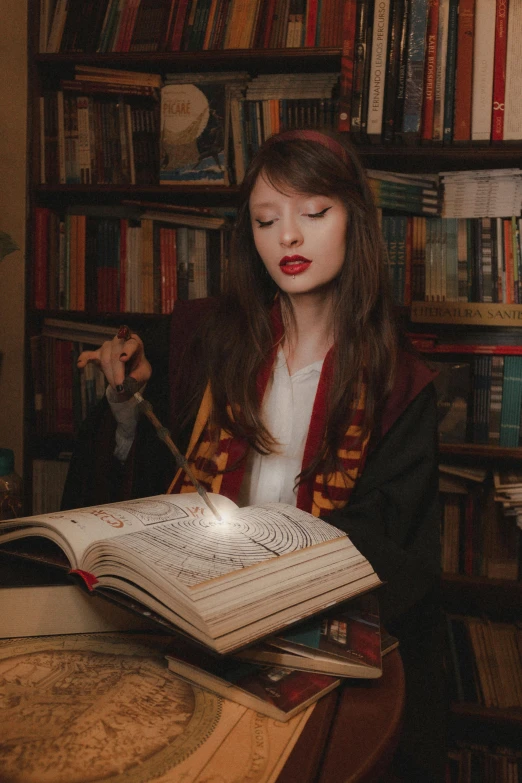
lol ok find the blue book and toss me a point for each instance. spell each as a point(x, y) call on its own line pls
point(511, 402)
point(411, 120)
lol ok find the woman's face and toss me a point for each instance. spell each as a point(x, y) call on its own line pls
point(301, 238)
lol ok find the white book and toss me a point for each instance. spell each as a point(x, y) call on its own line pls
point(512, 100)
point(226, 578)
point(376, 86)
point(483, 56)
point(57, 27)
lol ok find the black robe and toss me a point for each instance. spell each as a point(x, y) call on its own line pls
point(393, 515)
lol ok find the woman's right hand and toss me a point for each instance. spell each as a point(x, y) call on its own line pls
point(122, 356)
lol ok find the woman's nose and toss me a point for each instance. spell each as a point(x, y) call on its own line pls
point(291, 235)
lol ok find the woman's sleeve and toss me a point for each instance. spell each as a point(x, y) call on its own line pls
point(393, 515)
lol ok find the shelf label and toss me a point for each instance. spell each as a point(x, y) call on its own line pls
point(472, 313)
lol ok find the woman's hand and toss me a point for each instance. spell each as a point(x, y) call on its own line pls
point(122, 356)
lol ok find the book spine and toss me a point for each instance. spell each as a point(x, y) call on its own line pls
point(464, 72)
point(347, 65)
point(430, 71)
point(361, 58)
point(416, 51)
point(392, 70)
point(513, 104)
point(451, 62)
point(377, 85)
point(499, 70)
point(482, 83)
point(440, 77)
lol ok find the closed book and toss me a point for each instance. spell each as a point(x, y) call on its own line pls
point(464, 71)
point(379, 58)
point(430, 71)
point(347, 64)
point(412, 109)
point(512, 102)
point(277, 692)
point(363, 37)
point(483, 57)
point(392, 71)
point(451, 62)
point(440, 74)
point(346, 642)
point(499, 70)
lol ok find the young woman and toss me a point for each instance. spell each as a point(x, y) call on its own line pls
point(296, 386)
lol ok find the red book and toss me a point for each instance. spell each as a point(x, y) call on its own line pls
point(499, 70)
point(269, 21)
point(179, 24)
point(347, 59)
point(430, 71)
point(312, 11)
point(464, 71)
point(508, 260)
point(42, 215)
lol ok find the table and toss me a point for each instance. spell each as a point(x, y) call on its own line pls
point(353, 732)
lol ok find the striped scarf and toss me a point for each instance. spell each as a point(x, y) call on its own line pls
point(219, 463)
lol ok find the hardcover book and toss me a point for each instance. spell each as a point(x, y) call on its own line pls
point(345, 642)
point(277, 692)
point(225, 581)
point(194, 132)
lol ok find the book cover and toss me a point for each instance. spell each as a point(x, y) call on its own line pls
point(440, 73)
point(451, 61)
point(377, 80)
point(363, 38)
point(392, 71)
point(277, 692)
point(416, 52)
point(453, 386)
point(346, 642)
point(347, 64)
point(512, 103)
point(499, 69)
point(483, 56)
point(464, 71)
point(193, 140)
point(430, 71)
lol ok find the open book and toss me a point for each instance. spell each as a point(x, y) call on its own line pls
point(226, 583)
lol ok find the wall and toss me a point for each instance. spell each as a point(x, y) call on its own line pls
point(13, 99)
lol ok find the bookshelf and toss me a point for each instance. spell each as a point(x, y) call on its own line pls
point(469, 594)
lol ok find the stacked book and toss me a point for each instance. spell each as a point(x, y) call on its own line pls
point(234, 606)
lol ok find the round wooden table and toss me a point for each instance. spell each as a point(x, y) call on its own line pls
point(353, 732)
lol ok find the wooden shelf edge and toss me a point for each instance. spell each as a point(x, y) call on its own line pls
point(487, 714)
point(480, 450)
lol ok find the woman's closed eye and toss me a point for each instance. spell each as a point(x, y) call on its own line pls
point(320, 214)
point(263, 223)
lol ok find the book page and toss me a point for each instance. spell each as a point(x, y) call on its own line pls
point(193, 548)
point(75, 530)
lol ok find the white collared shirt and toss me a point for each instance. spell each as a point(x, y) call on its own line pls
point(286, 411)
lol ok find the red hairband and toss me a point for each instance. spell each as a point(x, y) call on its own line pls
point(320, 138)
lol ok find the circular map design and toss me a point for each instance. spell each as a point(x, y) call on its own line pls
point(91, 709)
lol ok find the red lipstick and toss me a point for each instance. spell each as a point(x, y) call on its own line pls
point(294, 265)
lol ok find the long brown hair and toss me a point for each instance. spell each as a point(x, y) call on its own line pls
point(365, 330)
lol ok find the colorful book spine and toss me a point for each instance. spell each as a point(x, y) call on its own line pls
point(416, 51)
point(451, 62)
point(464, 71)
point(377, 84)
point(512, 102)
point(499, 70)
point(430, 71)
point(347, 65)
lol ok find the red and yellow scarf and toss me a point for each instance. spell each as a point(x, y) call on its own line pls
point(211, 458)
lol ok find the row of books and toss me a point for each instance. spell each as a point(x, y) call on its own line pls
point(480, 399)
point(435, 259)
point(126, 259)
point(477, 538)
point(442, 72)
point(108, 126)
point(63, 396)
point(485, 661)
point(472, 761)
point(183, 25)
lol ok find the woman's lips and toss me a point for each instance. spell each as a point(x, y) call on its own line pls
point(294, 265)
